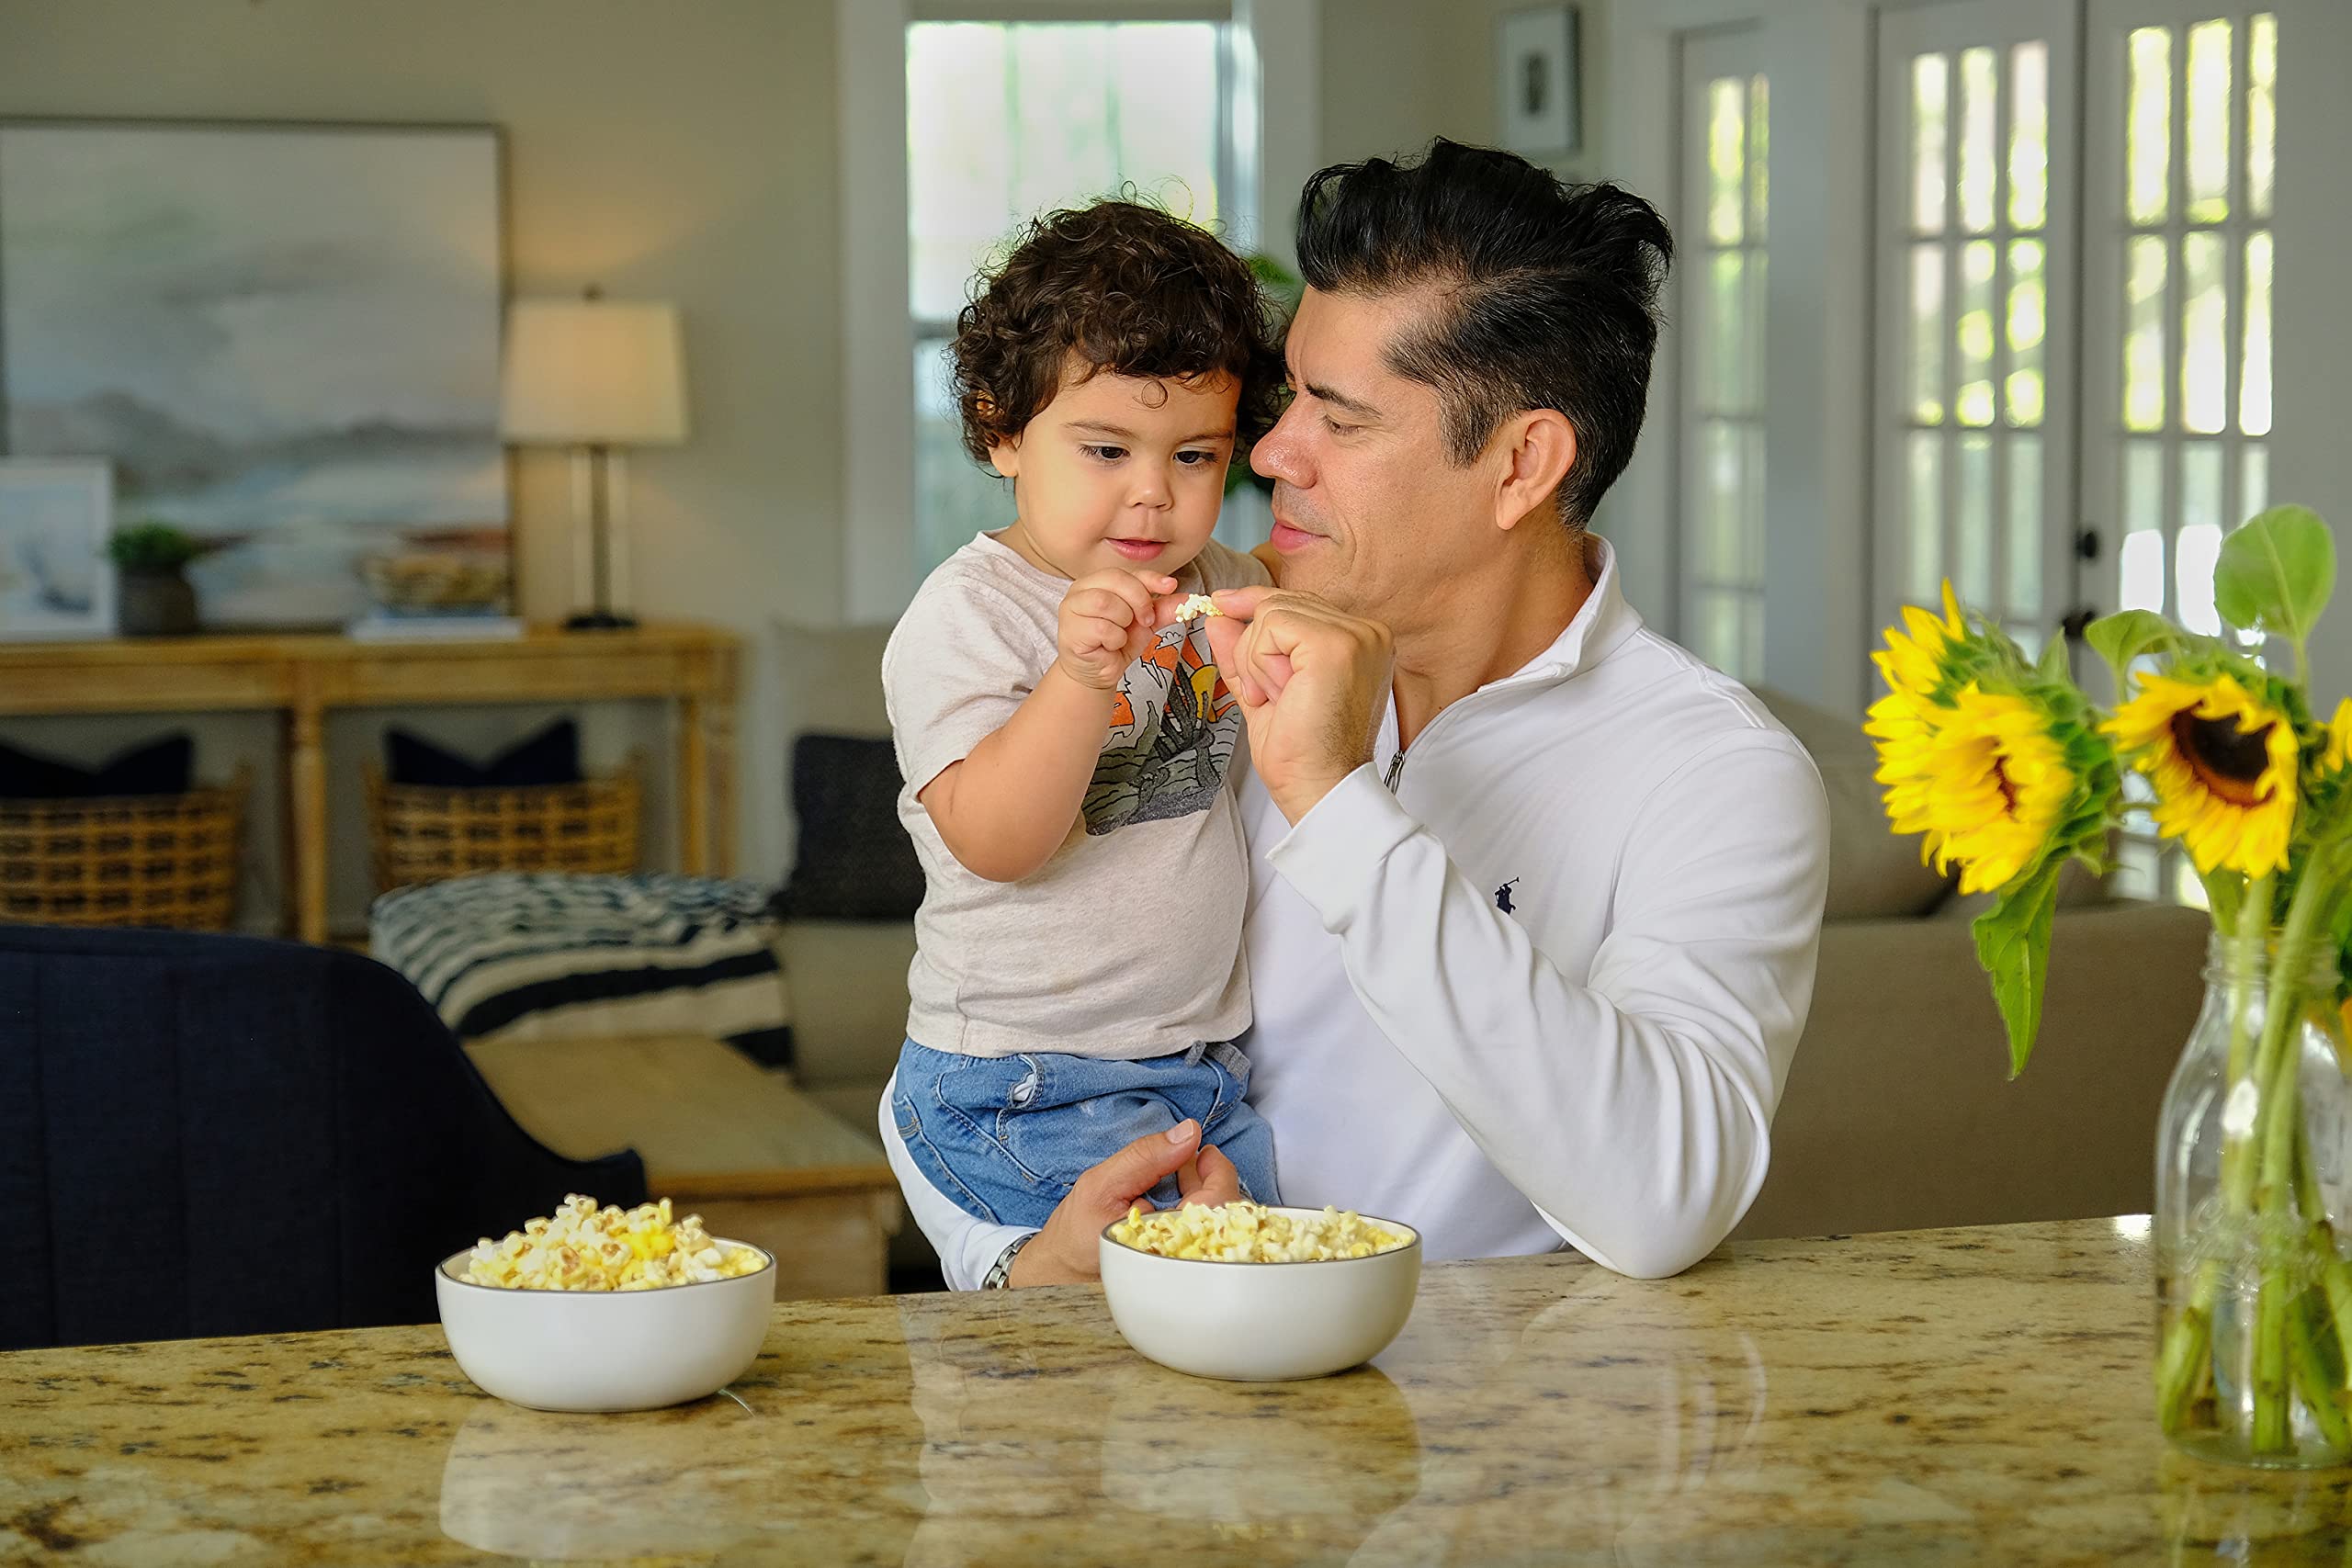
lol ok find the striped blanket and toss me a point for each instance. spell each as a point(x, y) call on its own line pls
point(550, 957)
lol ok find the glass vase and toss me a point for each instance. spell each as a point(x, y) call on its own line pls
point(2254, 1267)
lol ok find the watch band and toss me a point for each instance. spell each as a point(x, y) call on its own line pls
point(999, 1274)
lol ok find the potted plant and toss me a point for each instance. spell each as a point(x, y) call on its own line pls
point(156, 599)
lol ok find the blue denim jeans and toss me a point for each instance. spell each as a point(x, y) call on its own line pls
point(1006, 1136)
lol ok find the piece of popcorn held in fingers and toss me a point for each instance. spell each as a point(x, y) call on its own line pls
point(1199, 604)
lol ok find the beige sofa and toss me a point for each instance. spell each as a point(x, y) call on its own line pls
point(1898, 1112)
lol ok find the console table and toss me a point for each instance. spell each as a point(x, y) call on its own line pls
point(303, 676)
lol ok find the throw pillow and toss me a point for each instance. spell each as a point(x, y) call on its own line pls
point(855, 861)
point(550, 756)
point(153, 767)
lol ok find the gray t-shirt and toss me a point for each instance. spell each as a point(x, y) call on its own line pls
point(1127, 943)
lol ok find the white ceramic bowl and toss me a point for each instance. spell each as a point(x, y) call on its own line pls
point(605, 1350)
point(1261, 1322)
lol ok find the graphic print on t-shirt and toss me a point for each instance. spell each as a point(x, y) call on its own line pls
point(1172, 734)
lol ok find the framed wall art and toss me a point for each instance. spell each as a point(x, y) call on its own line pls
point(284, 338)
point(55, 580)
point(1535, 81)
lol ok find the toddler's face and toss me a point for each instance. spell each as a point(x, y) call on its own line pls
point(1121, 471)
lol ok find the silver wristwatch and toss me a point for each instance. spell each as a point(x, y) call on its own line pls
point(1000, 1272)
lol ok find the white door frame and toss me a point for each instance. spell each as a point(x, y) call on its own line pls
point(1816, 576)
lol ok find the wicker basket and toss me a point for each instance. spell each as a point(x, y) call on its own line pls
point(130, 860)
point(428, 833)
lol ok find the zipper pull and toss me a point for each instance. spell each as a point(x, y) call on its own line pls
point(1396, 769)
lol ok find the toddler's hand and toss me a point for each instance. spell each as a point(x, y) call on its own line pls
point(1107, 621)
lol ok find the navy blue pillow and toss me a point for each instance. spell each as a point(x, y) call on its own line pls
point(855, 862)
point(550, 756)
point(152, 767)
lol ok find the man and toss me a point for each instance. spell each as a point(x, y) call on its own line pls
point(1536, 896)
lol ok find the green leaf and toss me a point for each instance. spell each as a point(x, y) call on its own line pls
point(2054, 665)
point(2013, 945)
point(2276, 573)
point(2125, 636)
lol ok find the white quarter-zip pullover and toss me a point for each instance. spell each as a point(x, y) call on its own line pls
point(1538, 977)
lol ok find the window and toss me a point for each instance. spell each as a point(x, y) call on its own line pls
point(2180, 418)
point(1726, 127)
point(1007, 119)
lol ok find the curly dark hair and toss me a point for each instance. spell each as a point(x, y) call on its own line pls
point(1126, 288)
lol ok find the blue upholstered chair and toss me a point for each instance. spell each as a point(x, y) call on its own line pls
point(217, 1135)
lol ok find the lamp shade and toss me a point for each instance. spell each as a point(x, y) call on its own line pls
point(593, 372)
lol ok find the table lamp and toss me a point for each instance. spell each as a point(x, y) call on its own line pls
point(593, 374)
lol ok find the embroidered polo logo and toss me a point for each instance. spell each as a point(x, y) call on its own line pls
point(1502, 896)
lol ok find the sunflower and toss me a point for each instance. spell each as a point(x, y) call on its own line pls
point(2223, 761)
point(1919, 665)
point(2339, 739)
point(1984, 779)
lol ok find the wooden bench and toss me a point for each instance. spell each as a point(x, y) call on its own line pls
point(721, 1137)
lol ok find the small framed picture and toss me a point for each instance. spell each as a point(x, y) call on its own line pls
point(55, 580)
point(1535, 81)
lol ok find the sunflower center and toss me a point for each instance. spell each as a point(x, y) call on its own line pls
point(2008, 791)
point(2228, 760)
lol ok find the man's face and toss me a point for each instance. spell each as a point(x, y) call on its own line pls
point(1370, 510)
point(1121, 471)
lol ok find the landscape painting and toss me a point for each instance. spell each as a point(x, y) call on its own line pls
point(284, 338)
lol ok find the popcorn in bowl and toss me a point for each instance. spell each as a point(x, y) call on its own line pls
point(1250, 1233)
point(584, 1246)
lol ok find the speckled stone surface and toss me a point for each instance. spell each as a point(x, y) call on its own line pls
point(1956, 1397)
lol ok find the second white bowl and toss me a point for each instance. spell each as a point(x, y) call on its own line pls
point(604, 1350)
point(1261, 1322)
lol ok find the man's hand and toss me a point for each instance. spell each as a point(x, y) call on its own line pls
point(1066, 1251)
point(1108, 619)
point(1312, 682)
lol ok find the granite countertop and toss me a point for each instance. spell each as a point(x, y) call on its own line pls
point(1942, 1397)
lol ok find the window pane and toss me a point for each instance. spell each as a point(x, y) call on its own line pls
point(1751, 650)
point(2025, 526)
point(1974, 396)
point(2148, 112)
point(1009, 120)
point(2143, 572)
point(1976, 77)
point(1927, 84)
point(2199, 544)
point(2204, 309)
point(1927, 333)
point(955, 498)
point(2208, 131)
point(1975, 520)
point(1723, 370)
point(2030, 135)
point(1719, 632)
point(2026, 327)
point(1751, 512)
point(2143, 337)
point(2254, 382)
point(1727, 159)
point(2261, 111)
point(1759, 147)
point(2254, 479)
point(1721, 554)
point(2144, 488)
point(1927, 563)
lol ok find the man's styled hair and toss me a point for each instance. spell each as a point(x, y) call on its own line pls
point(1546, 293)
point(1126, 288)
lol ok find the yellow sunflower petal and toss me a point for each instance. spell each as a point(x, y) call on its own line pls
point(2229, 804)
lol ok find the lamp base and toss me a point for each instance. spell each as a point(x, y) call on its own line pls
point(599, 621)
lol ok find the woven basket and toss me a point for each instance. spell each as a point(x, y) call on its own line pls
point(428, 833)
point(131, 860)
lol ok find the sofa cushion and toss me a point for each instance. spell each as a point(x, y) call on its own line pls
point(854, 861)
point(1872, 872)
